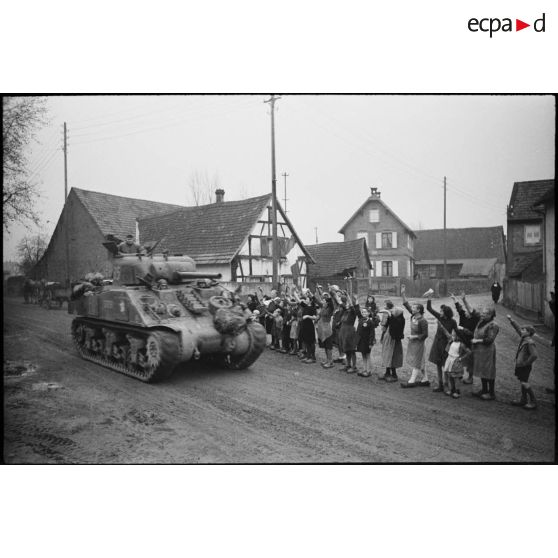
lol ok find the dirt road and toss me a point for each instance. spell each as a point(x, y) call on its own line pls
point(61, 409)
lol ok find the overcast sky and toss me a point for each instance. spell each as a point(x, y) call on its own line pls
point(333, 148)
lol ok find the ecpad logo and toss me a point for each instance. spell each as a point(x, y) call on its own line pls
point(492, 25)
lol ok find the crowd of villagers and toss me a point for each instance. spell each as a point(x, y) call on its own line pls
point(463, 348)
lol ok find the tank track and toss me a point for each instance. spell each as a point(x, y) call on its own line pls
point(158, 349)
point(258, 339)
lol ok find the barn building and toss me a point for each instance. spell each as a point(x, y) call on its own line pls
point(335, 261)
point(90, 217)
point(477, 252)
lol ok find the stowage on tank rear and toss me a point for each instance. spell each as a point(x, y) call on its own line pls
point(160, 312)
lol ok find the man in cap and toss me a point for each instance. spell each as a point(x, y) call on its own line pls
point(129, 246)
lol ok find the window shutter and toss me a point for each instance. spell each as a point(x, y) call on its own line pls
point(395, 268)
point(378, 265)
point(378, 240)
point(408, 268)
point(394, 239)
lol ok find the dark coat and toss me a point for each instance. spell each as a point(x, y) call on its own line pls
point(438, 350)
point(366, 335)
point(308, 331)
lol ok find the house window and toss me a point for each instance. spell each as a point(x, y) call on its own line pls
point(374, 215)
point(387, 240)
point(363, 234)
point(409, 242)
point(387, 269)
point(532, 234)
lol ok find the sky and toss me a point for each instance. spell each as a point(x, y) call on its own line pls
point(332, 147)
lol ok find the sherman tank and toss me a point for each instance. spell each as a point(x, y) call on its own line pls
point(160, 312)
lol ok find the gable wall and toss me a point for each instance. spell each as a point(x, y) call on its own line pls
point(387, 223)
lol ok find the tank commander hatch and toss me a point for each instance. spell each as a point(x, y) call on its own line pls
point(129, 246)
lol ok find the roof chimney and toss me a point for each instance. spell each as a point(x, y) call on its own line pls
point(219, 195)
point(374, 193)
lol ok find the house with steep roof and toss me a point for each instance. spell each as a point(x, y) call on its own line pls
point(337, 260)
point(389, 240)
point(86, 220)
point(232, 238)
point(477, 252)
point(546, 206)
point(525, 231)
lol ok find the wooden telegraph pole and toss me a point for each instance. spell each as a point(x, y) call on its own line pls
point(445, 245)
point(275, 279)
point(284, 175)
point(66, 209)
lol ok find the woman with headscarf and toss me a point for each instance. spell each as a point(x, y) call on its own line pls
point(438, 352)
point(484, 351)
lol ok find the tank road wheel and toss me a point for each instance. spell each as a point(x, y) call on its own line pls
point(161, 355)
point(217, 302)
point(257, 336)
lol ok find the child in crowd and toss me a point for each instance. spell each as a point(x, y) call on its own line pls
point(293, 331)
point(286, 329)
point(524, 358)
point(277, 328)
point(457, 352)
point(366, 338)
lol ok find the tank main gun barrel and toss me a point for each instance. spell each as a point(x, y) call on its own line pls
point(197, 275)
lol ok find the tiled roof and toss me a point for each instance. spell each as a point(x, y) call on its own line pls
point(524, 196)
point(209, 233)
point(471, 243)
point(333, 258)
point(117, 215)
point(521, 263)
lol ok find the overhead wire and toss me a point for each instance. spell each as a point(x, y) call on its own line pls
point(174, 122)
point(145, 113)
point(414, 168)
point(44, 166)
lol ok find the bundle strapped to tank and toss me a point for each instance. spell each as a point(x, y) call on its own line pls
point(197, 275)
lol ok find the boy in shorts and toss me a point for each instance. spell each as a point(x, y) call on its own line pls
point(524, 358)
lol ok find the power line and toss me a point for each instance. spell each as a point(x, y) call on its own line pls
point(174, 122)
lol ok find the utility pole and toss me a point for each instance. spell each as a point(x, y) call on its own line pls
point(445, 245)
point(275, 278)
point(66, 209)
point(285, 198)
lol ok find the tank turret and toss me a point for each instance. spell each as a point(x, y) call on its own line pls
point(159, 312)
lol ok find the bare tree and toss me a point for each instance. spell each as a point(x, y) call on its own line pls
point(21, 117)
point(30, 250)
point(202, 188)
